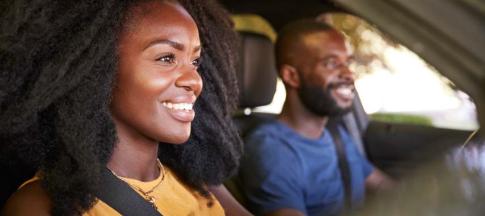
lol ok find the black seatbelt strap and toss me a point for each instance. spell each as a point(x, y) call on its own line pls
point(121, 197)
point(343, 163)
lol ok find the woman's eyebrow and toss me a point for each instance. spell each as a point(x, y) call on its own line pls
point(171, 43)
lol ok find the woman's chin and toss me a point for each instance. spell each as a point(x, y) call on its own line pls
point(176, 139)
point(180, 142)
point(178, 136)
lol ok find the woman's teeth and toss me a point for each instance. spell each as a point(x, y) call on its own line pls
point(178, 106)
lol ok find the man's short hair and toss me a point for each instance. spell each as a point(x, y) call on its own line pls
point(289, 38)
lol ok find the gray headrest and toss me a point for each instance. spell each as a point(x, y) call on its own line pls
point(257, 71)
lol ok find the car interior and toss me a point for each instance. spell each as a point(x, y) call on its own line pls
point(439, 36)
point(396, 148)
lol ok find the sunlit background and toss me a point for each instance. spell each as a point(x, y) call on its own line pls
point(393, 82)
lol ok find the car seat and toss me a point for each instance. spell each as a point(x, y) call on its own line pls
point(256, 74)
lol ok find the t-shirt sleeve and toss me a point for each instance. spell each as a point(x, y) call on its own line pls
point(271, 175)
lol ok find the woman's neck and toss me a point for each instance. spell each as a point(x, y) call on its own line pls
point(134, 156)
point(136, 161)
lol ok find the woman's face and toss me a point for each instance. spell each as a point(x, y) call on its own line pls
point(157, 81)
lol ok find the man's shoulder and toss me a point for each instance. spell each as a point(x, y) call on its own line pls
point(269, 139)
point(274, 128)
point(266, 128)
point(271, 134)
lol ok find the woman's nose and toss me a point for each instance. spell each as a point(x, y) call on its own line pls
point(190, 80)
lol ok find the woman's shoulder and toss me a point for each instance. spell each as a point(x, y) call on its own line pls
point(30, 199)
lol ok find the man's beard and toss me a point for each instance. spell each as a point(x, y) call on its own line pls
point(320, 101)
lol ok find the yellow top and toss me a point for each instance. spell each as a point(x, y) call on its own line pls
point(172, 198)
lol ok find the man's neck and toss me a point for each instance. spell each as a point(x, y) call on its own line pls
point(300, 119)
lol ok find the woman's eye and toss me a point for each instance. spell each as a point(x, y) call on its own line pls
point(167, 59)
point(196, 62)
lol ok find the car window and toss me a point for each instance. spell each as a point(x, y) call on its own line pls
point(396, 85)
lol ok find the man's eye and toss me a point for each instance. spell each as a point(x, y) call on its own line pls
point(167, 59)
point(331, 64)
point(196, 62)
point(351, 62)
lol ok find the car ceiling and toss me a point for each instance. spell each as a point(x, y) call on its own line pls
point(279, 12)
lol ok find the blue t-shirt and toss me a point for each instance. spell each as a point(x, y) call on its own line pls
point(282, 169)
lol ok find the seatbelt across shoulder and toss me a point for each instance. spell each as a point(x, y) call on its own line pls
point(343, 163)
point(122, 198)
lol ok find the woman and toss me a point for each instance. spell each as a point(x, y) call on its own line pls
point(90, 85)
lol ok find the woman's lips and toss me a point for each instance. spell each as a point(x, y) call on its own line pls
point(180, 111)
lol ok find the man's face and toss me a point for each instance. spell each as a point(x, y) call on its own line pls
point(326, 83)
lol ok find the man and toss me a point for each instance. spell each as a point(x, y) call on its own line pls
point(290, 166)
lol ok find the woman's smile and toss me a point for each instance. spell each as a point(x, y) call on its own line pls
point(180, 111)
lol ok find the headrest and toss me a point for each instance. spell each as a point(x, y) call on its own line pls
point(257, 71)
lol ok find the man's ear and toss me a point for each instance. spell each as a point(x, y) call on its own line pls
point(289, 75)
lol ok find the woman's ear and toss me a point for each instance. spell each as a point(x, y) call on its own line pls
point(290, 76)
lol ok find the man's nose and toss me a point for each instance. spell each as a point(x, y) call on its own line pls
point(346, 74)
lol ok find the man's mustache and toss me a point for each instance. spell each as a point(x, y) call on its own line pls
point(335, 85)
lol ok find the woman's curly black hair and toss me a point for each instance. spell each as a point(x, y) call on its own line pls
point(57, 67)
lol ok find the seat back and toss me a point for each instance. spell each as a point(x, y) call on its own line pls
point(256, 70)
point(256, 78)
point(257, 84)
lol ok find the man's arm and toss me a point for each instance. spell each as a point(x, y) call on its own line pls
point(379, 181)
